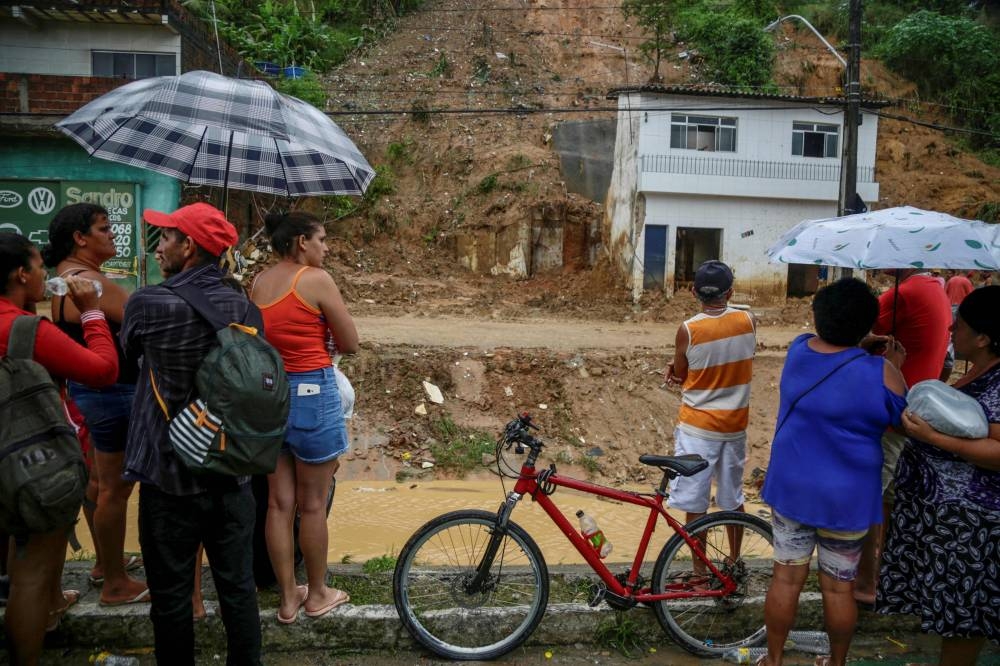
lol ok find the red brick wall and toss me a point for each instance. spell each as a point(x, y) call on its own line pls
point(52, 94)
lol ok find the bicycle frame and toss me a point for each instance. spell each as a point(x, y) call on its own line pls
point(528, 485)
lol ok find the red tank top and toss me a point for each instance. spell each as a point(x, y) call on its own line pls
point(297, 330)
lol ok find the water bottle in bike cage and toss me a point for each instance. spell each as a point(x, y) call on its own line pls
point(592, 533)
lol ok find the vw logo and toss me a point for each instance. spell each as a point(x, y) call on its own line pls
point(41, 201)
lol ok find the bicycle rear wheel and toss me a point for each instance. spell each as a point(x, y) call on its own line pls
point(739, 545)
point(431, 587)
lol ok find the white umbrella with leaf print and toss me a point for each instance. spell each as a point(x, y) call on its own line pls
point(892, 238)
point(903, 237)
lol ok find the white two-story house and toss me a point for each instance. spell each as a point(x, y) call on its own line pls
point(703, 174)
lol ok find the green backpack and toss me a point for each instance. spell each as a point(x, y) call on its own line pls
point(42, 473)
point(236, 423)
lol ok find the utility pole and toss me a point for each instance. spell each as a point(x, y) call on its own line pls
point(852, 116)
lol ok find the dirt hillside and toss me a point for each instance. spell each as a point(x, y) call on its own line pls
point(470, 163)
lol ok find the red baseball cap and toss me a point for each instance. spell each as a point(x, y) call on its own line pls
point(205, 223)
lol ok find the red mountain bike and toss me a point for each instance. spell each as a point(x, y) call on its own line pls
point(707, 588)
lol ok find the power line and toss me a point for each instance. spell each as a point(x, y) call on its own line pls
point(525, 110)
point(525, 33)
point(523, 9)
point(943, 128)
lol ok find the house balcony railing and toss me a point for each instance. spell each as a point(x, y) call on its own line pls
point(722, 166)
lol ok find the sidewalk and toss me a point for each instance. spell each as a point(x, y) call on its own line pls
point(370, 628)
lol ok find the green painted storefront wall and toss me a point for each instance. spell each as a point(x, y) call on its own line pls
point(55, 159)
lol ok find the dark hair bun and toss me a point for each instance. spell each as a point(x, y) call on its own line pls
point(272, 221)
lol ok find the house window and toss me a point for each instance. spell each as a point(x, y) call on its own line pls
point(814, 140)
point(703, 133)
point(133, 65)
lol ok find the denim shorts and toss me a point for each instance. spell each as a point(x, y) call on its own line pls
point(107, 411)
point(316, 430)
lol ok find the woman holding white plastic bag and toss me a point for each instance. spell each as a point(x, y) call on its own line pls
point(302, 306)
point(943, 544)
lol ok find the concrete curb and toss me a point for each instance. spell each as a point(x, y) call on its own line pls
point(370, 628)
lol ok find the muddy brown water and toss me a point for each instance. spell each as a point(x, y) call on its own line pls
point(375, 518)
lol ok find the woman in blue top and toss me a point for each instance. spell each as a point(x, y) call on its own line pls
point(824, 479)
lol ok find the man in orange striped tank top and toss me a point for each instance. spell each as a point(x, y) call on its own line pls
point(713, 361)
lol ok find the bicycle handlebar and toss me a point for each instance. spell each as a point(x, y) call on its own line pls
point(516, 432)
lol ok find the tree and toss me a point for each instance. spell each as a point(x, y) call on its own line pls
point(656, 16)
point(735, 50)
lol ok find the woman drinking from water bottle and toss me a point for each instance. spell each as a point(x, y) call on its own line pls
point(37, 601)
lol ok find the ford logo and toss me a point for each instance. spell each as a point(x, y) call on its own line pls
point(10, 199)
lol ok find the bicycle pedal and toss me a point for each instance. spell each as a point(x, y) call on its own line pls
point(596, 595)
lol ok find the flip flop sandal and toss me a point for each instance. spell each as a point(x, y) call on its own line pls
point(131, 563)
point(340, 600)
point(141, 598)
point(56, 616)
point(304, 590)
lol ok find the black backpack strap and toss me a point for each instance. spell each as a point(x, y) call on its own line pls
point(200, 303)
point(21, 339)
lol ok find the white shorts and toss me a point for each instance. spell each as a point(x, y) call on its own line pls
point(725, 463)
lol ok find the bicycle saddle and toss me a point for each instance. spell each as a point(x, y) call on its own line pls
point(682, 465)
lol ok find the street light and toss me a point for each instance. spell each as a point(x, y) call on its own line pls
point(774, 24)
point(848, 201)
point(628, 97)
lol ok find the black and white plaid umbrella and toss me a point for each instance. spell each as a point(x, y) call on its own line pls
point(207, 129)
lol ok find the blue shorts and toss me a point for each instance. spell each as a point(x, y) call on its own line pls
point(107, 413)
point(316, 431)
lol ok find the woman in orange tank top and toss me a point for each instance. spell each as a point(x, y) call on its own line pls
point(301, 306)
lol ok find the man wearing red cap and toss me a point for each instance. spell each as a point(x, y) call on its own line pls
point(178, 510)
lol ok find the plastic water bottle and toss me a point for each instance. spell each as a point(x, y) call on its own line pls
point(57, 287)
point(108, 659)
point(592, 533)
point(744, 655)
point(813, 642)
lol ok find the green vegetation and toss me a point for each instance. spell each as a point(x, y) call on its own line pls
point(953, 59)
point(946, 47)
point(518, 161)
point(487, 184)
point(989, 212)
point(384, 183)
point(589, 464)
point(480, 69)
point(736, 51)
point(381, 564)
point(419, 111)
point(400, 151)
point(656, 17)
point(442, 67)
point(459, 449)
point(317, 34)
point(307, 88)
point(727, 34)
point(621, 633)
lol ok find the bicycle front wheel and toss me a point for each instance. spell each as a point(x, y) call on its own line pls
point(739, 545)
point(441, 606)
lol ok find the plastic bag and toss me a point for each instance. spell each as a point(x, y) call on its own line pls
point(346, 392)
point(947, 410)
